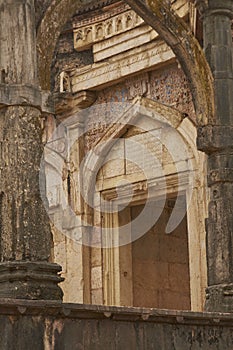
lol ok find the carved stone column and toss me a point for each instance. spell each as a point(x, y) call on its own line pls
point(217, 142)
point(25, 235)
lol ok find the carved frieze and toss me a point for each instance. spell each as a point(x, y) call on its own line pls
point(86, 36)
point(123, 42)
point(138, 86)
point(123, 65)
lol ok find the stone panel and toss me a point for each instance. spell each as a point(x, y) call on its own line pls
point(121, 66)
point(123, 42)
point(72, 326)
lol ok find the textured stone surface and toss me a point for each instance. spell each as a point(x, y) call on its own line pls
point(24, 225)
point(18, 51)
point(25, 232)
point(167, 85)
point(72, 326)
point(216, 141)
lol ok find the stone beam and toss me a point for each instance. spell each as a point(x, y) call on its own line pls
point(101, 74)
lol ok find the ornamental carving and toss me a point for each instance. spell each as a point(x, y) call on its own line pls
point(86, 36)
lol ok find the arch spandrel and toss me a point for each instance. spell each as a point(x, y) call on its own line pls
point(52, 23)
point(174, 31)
point(170, 27)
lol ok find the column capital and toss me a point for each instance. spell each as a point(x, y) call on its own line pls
point(201, 6)
point(214, 138)
point(214, 7)
point(26, 95)
point(19, 94)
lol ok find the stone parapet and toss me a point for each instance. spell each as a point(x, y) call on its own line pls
point(46, 325)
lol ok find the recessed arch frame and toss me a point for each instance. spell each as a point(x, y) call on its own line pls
point(171, 119)
point(162, 19)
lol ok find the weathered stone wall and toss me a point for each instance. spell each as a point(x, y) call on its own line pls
point(163, 82)
point(47, 326)
point(40, 8)
point(66, 56)
point(167, 85)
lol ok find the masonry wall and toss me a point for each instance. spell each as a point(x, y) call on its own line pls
point(47, 326)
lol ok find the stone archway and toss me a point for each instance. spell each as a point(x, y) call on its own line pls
point(172, 30)
point(105, 186)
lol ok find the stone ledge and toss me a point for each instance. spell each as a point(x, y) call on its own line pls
point(117, 313)
point(100, 75)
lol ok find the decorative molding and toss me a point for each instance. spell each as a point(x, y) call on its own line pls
point(138, 86)
point(107, 73)
point(93, 17)
point(86, 36)
point(201, 5)
point(125, 41)
point(67, 104)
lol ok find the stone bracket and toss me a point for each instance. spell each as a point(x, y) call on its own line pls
point(67, 104)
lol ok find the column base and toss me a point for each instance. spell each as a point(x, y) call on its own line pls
point(219, 298)
point(30, 280)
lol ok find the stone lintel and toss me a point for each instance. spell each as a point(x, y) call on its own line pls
point(104, 74)
point(30, 280)
point(123, 42)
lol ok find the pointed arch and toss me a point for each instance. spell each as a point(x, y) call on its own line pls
point(52, 23)
point(159, 16)
point(156, 111)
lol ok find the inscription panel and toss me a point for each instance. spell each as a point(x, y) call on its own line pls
point(137, 60)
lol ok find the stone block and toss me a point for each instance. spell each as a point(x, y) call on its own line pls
point(125, 64)
point(123, 42)
point(97, 296)
point(96, 277)
point(96, 257)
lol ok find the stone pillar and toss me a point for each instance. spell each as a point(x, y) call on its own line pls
point(216, 140)
point(25, 235)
